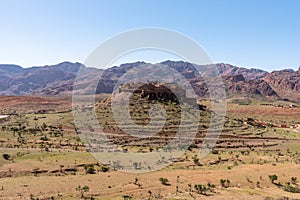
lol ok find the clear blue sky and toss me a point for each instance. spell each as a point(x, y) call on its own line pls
point(255, 33)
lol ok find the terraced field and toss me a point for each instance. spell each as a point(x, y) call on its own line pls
point(44, 156)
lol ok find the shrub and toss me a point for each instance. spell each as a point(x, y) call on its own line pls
point(201, 189)
point(225, 183)
point(6, 156)
point(290, 188)
point(214, 151)
point(196, 160)
point(89, 169)
point(104, 169)
point(273, 177)
point(294, 180)
point(164, 181)
point(82, 190)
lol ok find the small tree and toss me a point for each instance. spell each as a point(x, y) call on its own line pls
point(201, 189)
point(211, 187)
point(222, 181)
point(273, 178)
point(225, 182)
point(294, 180)
point(82, 190)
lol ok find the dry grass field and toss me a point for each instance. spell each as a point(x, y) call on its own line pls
point(42, 157)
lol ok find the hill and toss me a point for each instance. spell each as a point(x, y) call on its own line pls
point(58, 79)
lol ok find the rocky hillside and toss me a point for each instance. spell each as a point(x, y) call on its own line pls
point(286, 83)
point(50, 80)
point(58, 79)
point(237, 84)
point(249, 74)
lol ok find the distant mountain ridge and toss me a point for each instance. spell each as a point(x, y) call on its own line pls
point(58, 79)
point(249, 74)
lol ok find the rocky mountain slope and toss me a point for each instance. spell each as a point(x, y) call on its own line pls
point(50, 80)
point(286, 83)
point(58, 79)
point(249, 74)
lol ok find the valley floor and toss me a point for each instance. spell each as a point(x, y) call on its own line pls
point(42, 157)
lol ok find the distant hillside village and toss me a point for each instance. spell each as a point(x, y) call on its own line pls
point(162, 92)
point(154, 91)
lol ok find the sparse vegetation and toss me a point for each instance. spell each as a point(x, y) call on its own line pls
point(104, 169)
point(203, 189)
point(225, 183)
point(90, 169)
point(6, 156)
point(82, 190)
point(164, 181)
point(46, 146)
point(294, 180)
point(273, 178)
point(290, 188)
point(196, 160)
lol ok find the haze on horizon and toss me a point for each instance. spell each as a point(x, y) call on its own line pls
point(252, 34)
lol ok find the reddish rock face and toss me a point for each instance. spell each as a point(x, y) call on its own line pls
point(58, 79)
point(248, 74)
point(286, 83)
point(237, 78)
point(236, 85)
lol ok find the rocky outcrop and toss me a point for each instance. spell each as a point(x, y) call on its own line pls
point(286, 83)
point(239, 85)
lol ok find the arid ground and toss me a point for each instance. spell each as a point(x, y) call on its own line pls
point(42, 157)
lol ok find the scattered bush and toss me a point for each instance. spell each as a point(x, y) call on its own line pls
point(202, 189)
point(164, 181)
point(273, 178)
point(225, 183)
point(82, 190)
point(104, 169)
point(290, 188)
point(89, 169)
point(196, 160)
point(6, 156)
point(294, 180)
point(214, 151)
